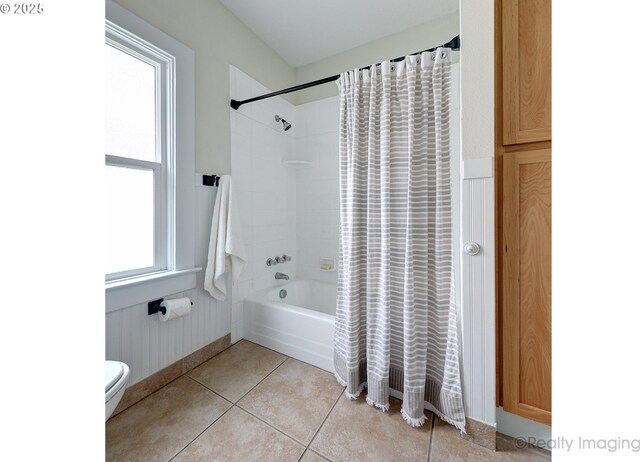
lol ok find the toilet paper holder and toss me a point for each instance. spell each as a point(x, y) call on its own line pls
point(154, 306)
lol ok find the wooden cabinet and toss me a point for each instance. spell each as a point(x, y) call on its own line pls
point(526, 71)
point(527, 284)
point(523, 201)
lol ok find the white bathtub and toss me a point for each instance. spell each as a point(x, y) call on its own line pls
point(299, 325)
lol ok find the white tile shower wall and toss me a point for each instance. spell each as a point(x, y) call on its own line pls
point(318, 202)
point(264, 188)
point(147, 344)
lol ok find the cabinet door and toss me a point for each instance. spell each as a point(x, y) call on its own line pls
point(527, 284)
point(526, 70)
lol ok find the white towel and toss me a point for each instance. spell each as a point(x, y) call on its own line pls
point(226, 251)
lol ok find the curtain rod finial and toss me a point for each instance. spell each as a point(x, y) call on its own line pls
point(235, 104)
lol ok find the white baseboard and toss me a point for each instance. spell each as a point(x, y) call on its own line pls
point(518, 427)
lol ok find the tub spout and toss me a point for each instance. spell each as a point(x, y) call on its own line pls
point(282, 276)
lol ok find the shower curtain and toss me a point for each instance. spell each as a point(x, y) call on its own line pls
point(396, 324)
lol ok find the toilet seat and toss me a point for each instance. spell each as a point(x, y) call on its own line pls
point(116, 377)
point(114, 372)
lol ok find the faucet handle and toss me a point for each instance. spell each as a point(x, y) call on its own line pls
point(286, 257)
point(279, 259)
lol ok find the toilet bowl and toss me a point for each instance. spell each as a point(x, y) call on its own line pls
point(116, 376)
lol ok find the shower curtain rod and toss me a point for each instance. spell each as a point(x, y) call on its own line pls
point(454, 44)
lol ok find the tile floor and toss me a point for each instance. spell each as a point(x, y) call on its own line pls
point(250, 403)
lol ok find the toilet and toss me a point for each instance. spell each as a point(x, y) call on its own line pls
point(116, 376)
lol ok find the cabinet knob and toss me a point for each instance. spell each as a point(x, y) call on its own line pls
point(472, 248)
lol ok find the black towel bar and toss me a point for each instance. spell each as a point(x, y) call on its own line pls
point(210, 180)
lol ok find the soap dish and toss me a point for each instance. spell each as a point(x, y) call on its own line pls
point(327, 264)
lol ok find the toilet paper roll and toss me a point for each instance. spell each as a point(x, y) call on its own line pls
point(176, 308)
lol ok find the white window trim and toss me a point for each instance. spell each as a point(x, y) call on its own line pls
point(181, 276)
point(164, 186)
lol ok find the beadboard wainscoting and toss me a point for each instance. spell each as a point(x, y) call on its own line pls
point(147, 344)
point(478, 290)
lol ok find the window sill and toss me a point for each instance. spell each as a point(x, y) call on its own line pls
point(133, 291)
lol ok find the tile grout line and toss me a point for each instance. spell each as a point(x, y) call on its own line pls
point(186, 374)
point(236, 404)
point(306, 447)
point(250, 390)
point(315, 454)
point(288, 357)
point(199, 434)
point(433, 427)
point(233, 404)
point(142, 399)
point(212, 391)
point(271, 426)
point(264, 378)
point(324, 421)
point(242, 409)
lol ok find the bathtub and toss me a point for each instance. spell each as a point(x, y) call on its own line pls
point(299, 325)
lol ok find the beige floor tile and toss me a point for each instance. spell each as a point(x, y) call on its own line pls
point(448, 446)
point(295, 398)
point(239, 436)
point(356, 431)
point(237, 370)
point(311, 456)
point(159, 426)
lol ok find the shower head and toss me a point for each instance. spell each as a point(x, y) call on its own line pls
point(285, 125)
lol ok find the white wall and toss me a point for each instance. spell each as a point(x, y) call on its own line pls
point(318, 202)
point(426, 35)
point(263, 188)
point(477, 82)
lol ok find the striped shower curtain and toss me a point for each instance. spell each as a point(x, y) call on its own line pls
point(396, 324)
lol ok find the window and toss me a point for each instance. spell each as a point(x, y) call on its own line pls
point(139, 153)
point(149, 162)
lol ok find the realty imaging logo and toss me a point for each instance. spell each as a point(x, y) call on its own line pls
point(571, 444)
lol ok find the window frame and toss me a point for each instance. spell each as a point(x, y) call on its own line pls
point(178, 273)
point(164, 187)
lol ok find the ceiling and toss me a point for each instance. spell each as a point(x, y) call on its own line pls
point(305, 31)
